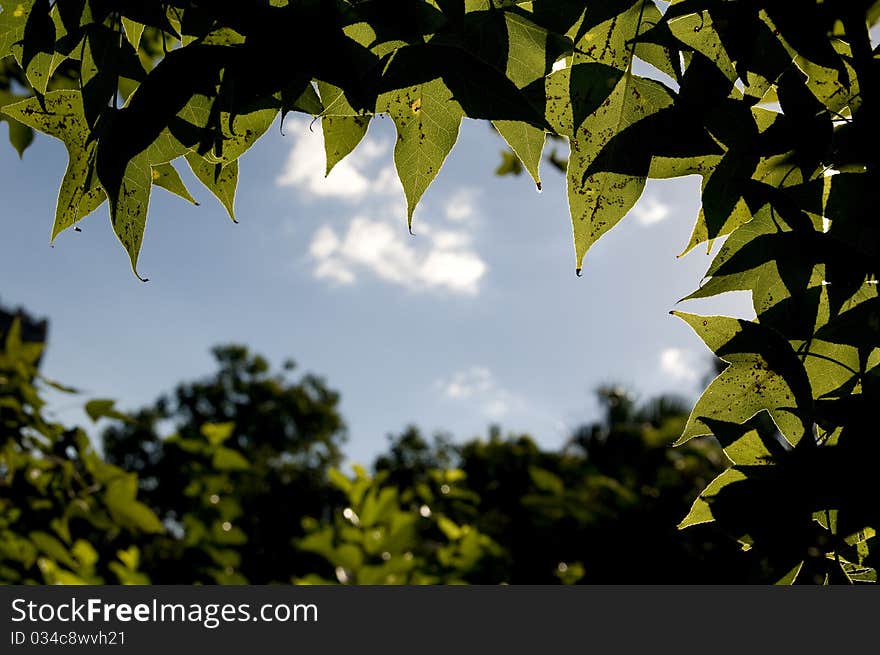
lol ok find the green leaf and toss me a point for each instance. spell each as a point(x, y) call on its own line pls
point(598, 200)
point(574, 93)
point(856, 326)
point(701, 510)
point(167, 177)
point(607, 33)
point(243, 131)
point(343, 127)
point(226, 459)
point(191, 120)
point(126, 576)
point(746, 444)
point(748, 450)
point(510, 164)
point(790, 577)
point(219, 179)
point(217, 433)
point(58, 386)
point(104, 408)
point(333, 101)
point(128, 210)
point(12, 21)
point(137, 516)
point(527, 142)
point(228, 535)
point(532, 49)
point(449, 528)
point(308, 101)
point(764, 374)
point(319, 541)
point(427, 119)
point(724, 209)
point(348, 556)
point(105, 59)
point(698, 31)
point(62, 117)
point(35, 45)
point(126, 510)
point(133, 31)
point(546, 481)
point(832, 368)
point(52, 547)
point(20, 136)
point(85, 553)
point(339, 480)
point(658, 56)
point(772, 261)
point(342, 134)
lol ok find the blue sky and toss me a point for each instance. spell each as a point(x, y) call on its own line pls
point(479, 318)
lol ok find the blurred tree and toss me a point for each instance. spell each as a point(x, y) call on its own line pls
point(603, 509)
point(31, 329)
point(66, 516)
point(410, 458)
point(246, 489)
point(288, 433)
point(233, 479)
point(382, 537)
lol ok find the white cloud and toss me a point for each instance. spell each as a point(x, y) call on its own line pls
point(461, 205)
point(477, 385)
point(445, 239)
point(338, 273)
point(650, 211)
point(434, 260)
point(374, 240)
point(465, 384)
point(496, 409)
point(324, 243)
point(679, 364)
point(456, 270)
point(349, 180)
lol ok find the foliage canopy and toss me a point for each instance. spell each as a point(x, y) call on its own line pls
point(774, 103)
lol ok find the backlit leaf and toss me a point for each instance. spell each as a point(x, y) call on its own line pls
point(220, 180)
point(763, 374)
point(167, 177)
point(598, 200)
point(80, 192)
point(427, 119)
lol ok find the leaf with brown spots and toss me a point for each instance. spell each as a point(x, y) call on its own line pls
point(764, 373)
point(220, 180)
point(527, 142)
point(343, 127)
point(424, 135)
point(243, 131)
point(63, 118)
point(599, 200)
point(167, 177)
point(128, 210)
